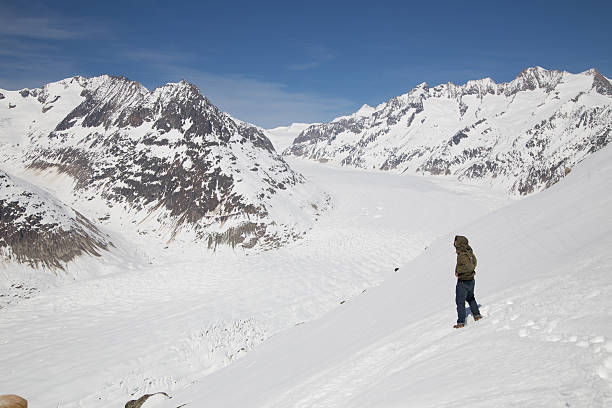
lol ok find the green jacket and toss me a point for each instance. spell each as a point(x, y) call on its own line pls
point(466, 260)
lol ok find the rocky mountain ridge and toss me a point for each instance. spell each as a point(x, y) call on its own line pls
point(167, 157)
point(521, 136)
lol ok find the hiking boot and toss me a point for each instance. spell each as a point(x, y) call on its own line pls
point(459, 326)
point(477, 318)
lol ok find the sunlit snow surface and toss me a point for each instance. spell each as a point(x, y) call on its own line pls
point(544, 283)
point(283, 136)
point(161, 326)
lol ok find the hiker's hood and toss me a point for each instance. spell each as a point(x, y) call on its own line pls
point(462, 244)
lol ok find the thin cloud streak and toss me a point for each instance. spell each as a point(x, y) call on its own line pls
point(305, 66)
point(33, 47)
point(46, 28)
point(15, 47)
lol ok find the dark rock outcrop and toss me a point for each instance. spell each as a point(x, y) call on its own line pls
point(601, 83)
point(137, 403)
point(39, 231)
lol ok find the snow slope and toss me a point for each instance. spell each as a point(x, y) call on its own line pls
point(544, 284)
point(144, 328)
point(283, 136)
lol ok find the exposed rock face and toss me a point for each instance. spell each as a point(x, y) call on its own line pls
point(519, 136)
point(168, 155)
point(40, 231)
point(601, 83)
point(137, 403)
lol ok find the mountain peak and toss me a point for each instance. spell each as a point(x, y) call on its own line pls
point(534, 70)
point(534, 78)
point(591, 72)
point(181, 89)
point(365, 110)
point(601, 84)
point(423, 87)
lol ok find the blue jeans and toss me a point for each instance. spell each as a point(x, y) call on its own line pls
point(464, 292)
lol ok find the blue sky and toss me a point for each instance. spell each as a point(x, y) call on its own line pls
point(273, 63)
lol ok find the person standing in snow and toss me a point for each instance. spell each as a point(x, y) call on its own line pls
point(465, 271)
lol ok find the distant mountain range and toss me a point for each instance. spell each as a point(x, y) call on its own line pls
point(521, 136)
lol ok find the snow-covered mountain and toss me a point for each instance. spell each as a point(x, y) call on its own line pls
point(521, 136)
point(163, 163)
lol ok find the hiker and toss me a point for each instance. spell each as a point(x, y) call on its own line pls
point(465, 271)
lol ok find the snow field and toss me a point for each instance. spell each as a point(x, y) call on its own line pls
point(544, 285)
point(146, 327)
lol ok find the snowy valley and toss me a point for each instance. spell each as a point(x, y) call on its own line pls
point(190, 258)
